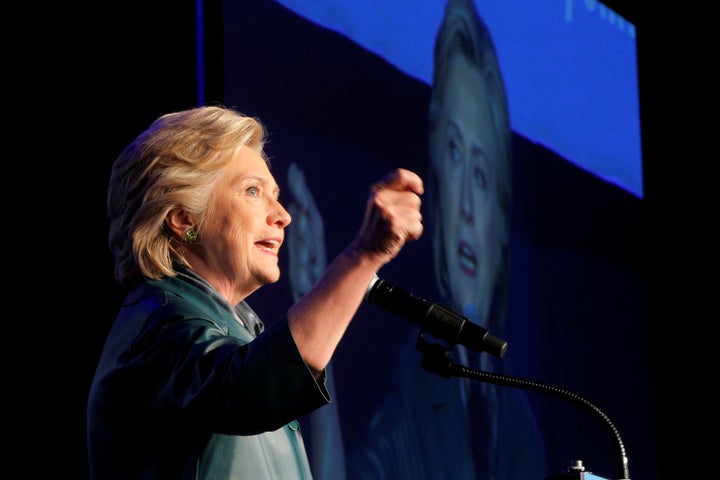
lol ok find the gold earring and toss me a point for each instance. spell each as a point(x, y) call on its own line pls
point(191, 236)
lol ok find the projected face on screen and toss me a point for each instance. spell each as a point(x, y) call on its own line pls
point(466, 157)
point(469, 170)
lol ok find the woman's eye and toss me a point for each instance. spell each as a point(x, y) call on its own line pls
point(253, 191)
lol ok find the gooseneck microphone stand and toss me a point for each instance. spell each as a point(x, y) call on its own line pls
point(436, 359)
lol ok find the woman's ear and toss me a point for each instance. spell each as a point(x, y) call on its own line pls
point(179, 222)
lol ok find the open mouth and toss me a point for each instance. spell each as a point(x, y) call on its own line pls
point(268, 245)
point(468, 261)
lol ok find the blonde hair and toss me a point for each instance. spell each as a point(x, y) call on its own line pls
point(174, 164)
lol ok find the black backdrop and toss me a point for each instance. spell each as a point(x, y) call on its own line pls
point(87, 79)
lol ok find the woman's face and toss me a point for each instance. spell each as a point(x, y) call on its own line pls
point(244, 229)
point(465, 154)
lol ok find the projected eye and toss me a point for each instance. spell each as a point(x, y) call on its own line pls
point(480, 177)
point(455, 151)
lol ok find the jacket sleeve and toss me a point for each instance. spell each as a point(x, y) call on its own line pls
point(204, 370)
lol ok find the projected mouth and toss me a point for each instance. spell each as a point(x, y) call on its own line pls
point(468, 261)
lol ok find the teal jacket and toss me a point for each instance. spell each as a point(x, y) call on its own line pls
point(184, 390)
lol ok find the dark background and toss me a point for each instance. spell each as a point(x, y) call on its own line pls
point(84, 80)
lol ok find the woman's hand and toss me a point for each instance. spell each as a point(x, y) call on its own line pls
point(392, 215)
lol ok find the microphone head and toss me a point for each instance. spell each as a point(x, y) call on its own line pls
point(495, 345)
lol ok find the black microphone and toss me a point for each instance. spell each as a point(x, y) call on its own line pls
point(442, 323)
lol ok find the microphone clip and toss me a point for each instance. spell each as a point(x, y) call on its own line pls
point(436, 357)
